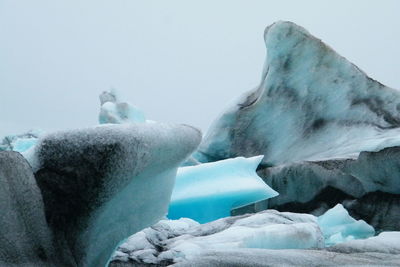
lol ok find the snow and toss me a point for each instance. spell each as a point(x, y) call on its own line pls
point(338, 226)
point(209, 191)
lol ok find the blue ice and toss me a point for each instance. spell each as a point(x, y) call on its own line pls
point(210, 191)
point(338, 226)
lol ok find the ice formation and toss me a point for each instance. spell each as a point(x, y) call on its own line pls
point(368, 187)
point(101, 184)
point(329, 133)
point(251, 240)
point(20, 142)
point(385, 242)
point(25, 238)
point(210, 191)
point(113, 111)
point(338, 226)
point(311, 104)
point(172, 241)
point(287, 257)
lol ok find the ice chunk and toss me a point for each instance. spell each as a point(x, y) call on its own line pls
point(210, 191)
point(286, 257)
point(172, 241)
point(385, 242)
point(338, 226)
point(368, 187)
point(101, 184)
point(113, 111)
point(311, 104)
point(21, 142)
point(25, 238)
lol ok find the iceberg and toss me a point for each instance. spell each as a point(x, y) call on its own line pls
point(338, 226)
point(101, 184)
point(172, 241)
point(113, 111)
point(367, 186)
point(210, 191)
point(25, 237)
point(311, 104)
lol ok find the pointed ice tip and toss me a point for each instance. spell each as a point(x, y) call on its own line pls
point(285, 28)
point(257, 159)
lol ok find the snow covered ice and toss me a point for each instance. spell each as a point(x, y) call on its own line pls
point(267, 238)
point(184, 239)
point(210, 191)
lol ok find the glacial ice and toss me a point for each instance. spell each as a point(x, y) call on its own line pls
point(368, 187)
point(172, 241)
point(311, 104)
point(25, 238)
point(338, 226)
point(251, 240)
point(210, 191)
point(385, 242)
point(329, 133)
point(20, 142)
point(113, 111)
point(245, 257)
point(103, 183)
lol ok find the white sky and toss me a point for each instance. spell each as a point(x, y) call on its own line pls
point(179, 61)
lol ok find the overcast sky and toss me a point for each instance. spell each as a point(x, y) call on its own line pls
point(178, 61)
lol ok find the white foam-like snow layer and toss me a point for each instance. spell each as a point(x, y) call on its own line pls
point(338, 226)
point(311, 104)
point(172, 241)
point(210, 191)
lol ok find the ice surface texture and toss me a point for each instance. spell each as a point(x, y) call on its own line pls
point(338, 226)
point(210, 191)
point(99, 185)
point(113, 111)
point(287, 257)
point(25, 238)
point(311, 104)
point(368, 187)
point(173, 241)
point(20, 142)
point(239, 241)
